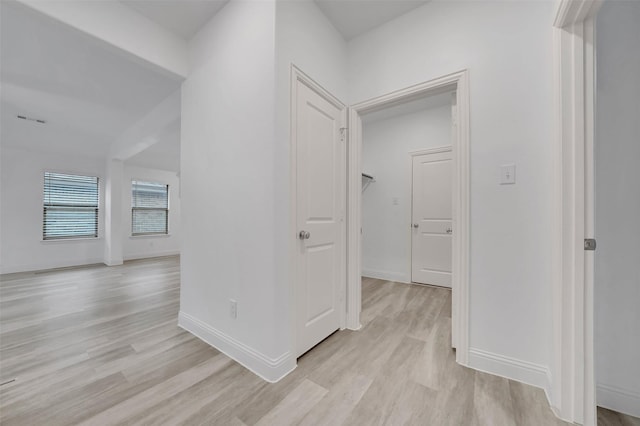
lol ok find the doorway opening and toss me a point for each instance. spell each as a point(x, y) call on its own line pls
point(361, 113)
point(585, 329)
point(406, 212)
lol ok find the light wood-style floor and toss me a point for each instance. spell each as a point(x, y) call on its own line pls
point(612, 418)
point(99, 345)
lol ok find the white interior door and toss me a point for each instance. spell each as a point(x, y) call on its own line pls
point(612, 214)
point(321, 185)
point(431, 216)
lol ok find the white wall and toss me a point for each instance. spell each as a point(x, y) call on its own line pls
point(386, 203)
point(235, 172)
point(506, 46)
point(305, 38)
point(21, 189)
point(227, 162)
point(143, 246)
point(21, 192)
point(617, 156)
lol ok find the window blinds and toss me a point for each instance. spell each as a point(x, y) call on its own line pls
point(70, 206)
point(149, 208)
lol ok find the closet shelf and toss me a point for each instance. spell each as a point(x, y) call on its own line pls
point(366, 180)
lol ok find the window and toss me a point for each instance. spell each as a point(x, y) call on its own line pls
point(70, 206)
point(149, 208)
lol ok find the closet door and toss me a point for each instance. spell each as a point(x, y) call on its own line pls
point(431, 213)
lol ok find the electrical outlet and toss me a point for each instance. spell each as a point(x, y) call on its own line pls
point(507, 174)
point(233, 305)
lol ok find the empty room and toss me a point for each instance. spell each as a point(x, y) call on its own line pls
point(319, 212)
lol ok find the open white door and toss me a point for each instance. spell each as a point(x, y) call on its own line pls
point(432, 226)
point(612, 211)
point(320, 194)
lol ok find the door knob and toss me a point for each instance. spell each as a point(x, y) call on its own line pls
point(449, 230)
point(415, 225)
point(303, 235)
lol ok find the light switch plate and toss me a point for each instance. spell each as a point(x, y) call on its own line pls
point(507, 174)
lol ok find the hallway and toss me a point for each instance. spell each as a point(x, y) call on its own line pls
point(100, 345)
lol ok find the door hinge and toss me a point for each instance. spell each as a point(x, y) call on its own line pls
point(343, 132)
point(589, 244)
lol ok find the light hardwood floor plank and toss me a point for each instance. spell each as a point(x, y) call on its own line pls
point(295, 406)
point(100, 345)
point(337, 405)
point(612, 418)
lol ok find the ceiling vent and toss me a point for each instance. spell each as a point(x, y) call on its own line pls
point(37, 120)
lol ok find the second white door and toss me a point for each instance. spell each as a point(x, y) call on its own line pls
point(431, 215)
point(321, 187)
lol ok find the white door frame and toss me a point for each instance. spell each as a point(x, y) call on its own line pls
point(573, 386)
point(298, 76)
point(459, 82)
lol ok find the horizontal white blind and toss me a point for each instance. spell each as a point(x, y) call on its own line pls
point(70, 206)
point(149, 208)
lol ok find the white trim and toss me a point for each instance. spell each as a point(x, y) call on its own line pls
point(617, 399)
point(572, 12)
point(42, 267)
point(510, 368)
point(142, 236)
point(50, 266)
point(589, 404)
point(436, 86)
point(573, 388)
point(556, 364)
point(270, 369)
point(150, 255)
point(454, 137)
point(459, 82)
point(71, 240)
point(397, 277)
point(436, 150)
point(354, 221)
point(298, 76)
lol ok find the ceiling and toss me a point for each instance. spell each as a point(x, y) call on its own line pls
point(87, 93)
point(350, 17)
point(354, 17)
point(182, 17)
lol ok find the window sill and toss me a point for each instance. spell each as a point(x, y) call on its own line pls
point(71, 240)
point(135, 237)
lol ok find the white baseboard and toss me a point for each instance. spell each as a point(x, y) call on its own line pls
point(270, 369)
point(552, 399)
point(621, 400)
point(43, 266)
point(148, 255)
point(386, 275)
point(511, 368)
